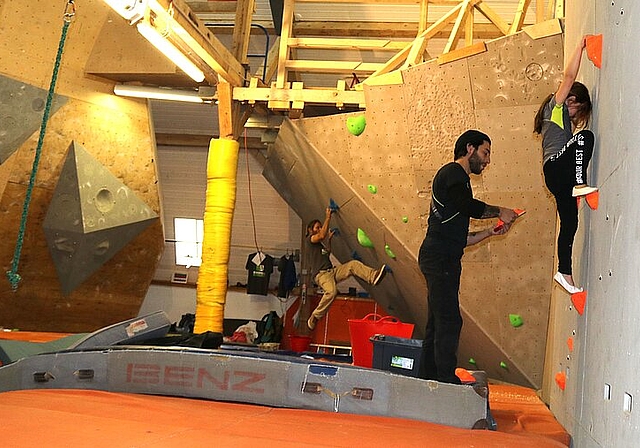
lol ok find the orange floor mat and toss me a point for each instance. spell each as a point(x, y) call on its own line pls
point(62, 418)
point(32, 336)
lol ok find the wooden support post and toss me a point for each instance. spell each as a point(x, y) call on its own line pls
point(242, 29)
point(299, 105)
point(285, 34)
point(424, 16)
point(518, 20)
point(225, 110)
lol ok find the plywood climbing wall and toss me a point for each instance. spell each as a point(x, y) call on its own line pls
point(381, 180)
point(114, 131)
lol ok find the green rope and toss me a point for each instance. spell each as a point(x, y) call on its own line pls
point(12, 275)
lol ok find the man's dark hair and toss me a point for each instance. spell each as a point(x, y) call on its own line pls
point(311, 224)
point(476, 138)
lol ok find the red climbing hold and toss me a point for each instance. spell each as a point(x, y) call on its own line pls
point(594, 49)
point(561, 380)
point(579, 299)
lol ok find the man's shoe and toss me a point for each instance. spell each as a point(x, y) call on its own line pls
point(569, 288)
point(380, 274)
point(311, 323)
point(582, 190)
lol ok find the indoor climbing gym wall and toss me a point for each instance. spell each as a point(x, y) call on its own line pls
point(379, 178)
point(79, 201)
point(593, 356)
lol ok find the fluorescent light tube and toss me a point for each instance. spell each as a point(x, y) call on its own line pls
point(170, 51)
point(157, 93)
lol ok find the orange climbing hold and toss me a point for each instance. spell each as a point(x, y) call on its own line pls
point(500, 223)
point(594, 49)
point(570, 343)
point(592, 200)
point(561, 380)
point(465, 376)
point(579, 299)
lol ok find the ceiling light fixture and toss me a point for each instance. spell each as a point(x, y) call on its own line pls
point(171, 30)
point(159, 40)
point(153, 23)
point(164, 93)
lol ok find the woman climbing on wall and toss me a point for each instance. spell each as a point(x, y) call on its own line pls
point(566, 155)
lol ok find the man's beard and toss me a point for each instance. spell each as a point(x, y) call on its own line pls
point(475, 164)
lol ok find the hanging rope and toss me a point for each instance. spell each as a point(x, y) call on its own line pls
point(12, 275)
point(253, 216)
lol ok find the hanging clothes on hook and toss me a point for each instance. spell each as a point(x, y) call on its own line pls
point(259, 266)
point(288, 275)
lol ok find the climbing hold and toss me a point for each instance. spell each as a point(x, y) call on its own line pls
point(405, 219)
point(356, 256)
point(594, 49)
point(570, 343)
point(516, 320)
point(363, 239)
point(333, 206)
point(504, 365)
point(336, 231)
point(372, 189)
point(561, 380)
point(464, 375)
point(472, 361)
point(579, 299)
point(592, 200)
point(500, 223)
point(389, 252)
point(356, 124)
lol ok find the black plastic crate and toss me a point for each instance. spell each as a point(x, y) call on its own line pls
point(397, 355)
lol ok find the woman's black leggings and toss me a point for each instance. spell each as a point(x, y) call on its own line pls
point(561, 173)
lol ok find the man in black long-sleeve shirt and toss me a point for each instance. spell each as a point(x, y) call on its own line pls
point(452, 205)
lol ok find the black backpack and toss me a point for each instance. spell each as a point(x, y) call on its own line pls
point(270, 328)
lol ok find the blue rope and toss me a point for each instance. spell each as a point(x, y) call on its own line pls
point(12, 275)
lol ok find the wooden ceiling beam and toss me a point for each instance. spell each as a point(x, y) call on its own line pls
point(346, 44)
point(242, 30)
point(456, 32)
point(199, 40)
point(341, 67)
point(285, 97)
point(518, 20)
point(384, 2)
point(390, 30)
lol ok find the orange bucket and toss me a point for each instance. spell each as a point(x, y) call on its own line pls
point(299, 343)
point(360, 330)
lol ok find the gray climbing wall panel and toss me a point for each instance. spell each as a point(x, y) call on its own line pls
point(91, 217)
point(22, 108)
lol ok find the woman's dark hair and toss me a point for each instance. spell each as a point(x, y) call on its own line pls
point(580, 94)
point(311, 224)
point(476, 138)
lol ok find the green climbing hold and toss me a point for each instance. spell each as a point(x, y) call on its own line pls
point(472, 361)
point(389, 252)
point(516, 320)
point(504, 365)
point(372, 189)
point(405, 219)
point(356, 124)
point(363, 239)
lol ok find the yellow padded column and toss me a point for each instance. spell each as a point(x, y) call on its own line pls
point(222, 167)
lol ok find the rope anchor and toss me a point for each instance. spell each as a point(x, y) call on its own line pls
point(69, 11)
